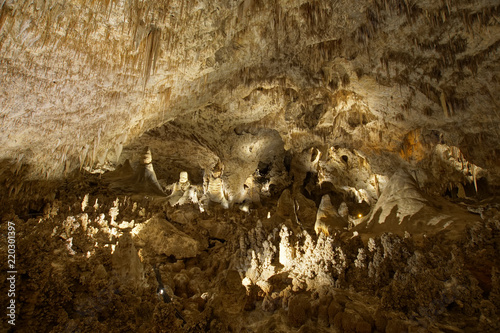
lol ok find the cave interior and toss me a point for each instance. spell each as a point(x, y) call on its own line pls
point(250, 165)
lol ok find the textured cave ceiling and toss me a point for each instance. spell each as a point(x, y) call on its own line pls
point(84, 81)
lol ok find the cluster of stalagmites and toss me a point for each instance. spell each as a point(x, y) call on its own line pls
point(143, 179)
point(147, 261)
point(80, 269)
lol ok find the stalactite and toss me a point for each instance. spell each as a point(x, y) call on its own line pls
point(152, 51)
point(83, 155)
point(444, 105)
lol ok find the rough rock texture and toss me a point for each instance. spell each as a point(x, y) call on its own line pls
point(165, 239)
point(94, 263)
point(343, 163)
point(387, 80)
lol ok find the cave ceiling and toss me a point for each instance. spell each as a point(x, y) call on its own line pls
point(87, 84)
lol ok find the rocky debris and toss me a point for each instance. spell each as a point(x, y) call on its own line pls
point(218, 230)
point(299, 310)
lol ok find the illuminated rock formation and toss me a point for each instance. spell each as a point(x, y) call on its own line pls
point(182, 191)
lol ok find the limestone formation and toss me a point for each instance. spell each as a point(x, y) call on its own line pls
point(182, 191)
point(327, 219)
point(213, 187)
point(142, 180)
point(164, 239)
point(319, 165)
point(401, 196)
point(145, 178)
point(126, 262)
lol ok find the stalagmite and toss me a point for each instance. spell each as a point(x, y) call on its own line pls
point(474, 175)
point(144, 178)
point(85, 202)
point(327, 219)
point(126, 262)
point(213, 186)
point(182, 191)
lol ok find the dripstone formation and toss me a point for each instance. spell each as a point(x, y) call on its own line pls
point(251, 166)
